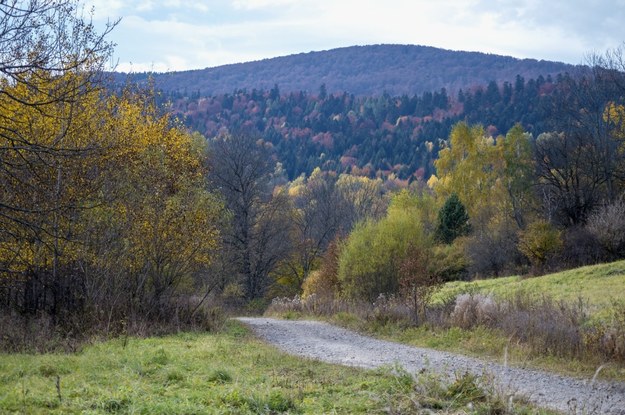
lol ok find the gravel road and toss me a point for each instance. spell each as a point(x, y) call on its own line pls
point(322, 341)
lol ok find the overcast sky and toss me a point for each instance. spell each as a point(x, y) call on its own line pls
point(172, 35)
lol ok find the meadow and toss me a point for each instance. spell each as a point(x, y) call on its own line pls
point(223, 373)
point(600, 286)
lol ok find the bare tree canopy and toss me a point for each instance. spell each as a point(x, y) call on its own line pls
point(258, 235)
point(40, 38)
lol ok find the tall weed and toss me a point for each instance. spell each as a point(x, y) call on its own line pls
point(546, 327)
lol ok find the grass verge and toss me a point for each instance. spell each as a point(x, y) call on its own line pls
point(223, 373)
point(493, 345)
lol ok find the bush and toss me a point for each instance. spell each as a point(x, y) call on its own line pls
point(607, 225)
point(369, 263)
point(41, 333)
point(548, 327)
point(493, 251)
point(540, 242)
point(580, 247)
point(38, 334)
point(608, 339)
point(389, 310)
point(451, 262)
point(324, 282)
point(474, 309)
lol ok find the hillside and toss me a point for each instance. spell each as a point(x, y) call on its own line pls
point(371, 110)
point(358, 70)
point(599, 286)
point(385, 135)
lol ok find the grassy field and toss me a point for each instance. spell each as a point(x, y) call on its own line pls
point(225, 373)
point(598, 285)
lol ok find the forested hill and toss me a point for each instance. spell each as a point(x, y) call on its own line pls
point(358, 70)
point(386, 136)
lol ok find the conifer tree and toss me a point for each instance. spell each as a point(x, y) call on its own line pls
point(453, 220)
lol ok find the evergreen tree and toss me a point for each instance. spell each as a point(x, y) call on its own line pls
point(453, 220)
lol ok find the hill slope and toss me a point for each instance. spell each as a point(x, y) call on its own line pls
point(598, 285)
point(381, 135)
point(359, 70)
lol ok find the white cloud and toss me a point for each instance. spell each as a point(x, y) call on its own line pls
point(177, 45)
point(105, 9)
point(264, 4)
point(145, 6)
point(177, 35)
point(588, 24)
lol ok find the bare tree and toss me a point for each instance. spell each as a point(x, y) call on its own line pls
point(607, 225)
point(568, 176)
point(493, 250)
point(582, 165)
point(257, 237)
point(320, 214)
point(365, 197)
point(419, 280)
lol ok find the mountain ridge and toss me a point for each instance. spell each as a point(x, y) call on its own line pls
point(360, 70)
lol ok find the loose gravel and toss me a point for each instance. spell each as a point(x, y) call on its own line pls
point(328, 343)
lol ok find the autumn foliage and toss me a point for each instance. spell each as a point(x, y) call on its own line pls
point(116, 206)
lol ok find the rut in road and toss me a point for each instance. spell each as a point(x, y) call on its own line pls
point(328, 343)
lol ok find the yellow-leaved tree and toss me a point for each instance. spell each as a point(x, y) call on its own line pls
point(154, 237)
point(47, 179)
point(105, 214)
point(109, 208)
point(491, 176)
point(464, 167)
point(493, 179)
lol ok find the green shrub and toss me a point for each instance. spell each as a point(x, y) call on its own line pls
point(369, 262)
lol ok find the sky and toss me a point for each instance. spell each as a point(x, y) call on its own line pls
point(175, 35)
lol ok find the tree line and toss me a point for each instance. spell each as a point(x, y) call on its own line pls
point(105, 212)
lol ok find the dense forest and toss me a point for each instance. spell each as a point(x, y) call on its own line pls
point(359, 70)
point(383, 136)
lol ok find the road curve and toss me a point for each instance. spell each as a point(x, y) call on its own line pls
point(329, 343)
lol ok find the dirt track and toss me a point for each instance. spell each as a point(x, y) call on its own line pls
point(333, 344)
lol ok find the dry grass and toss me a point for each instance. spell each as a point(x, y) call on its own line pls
point(42, 333)
point(543, 328)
